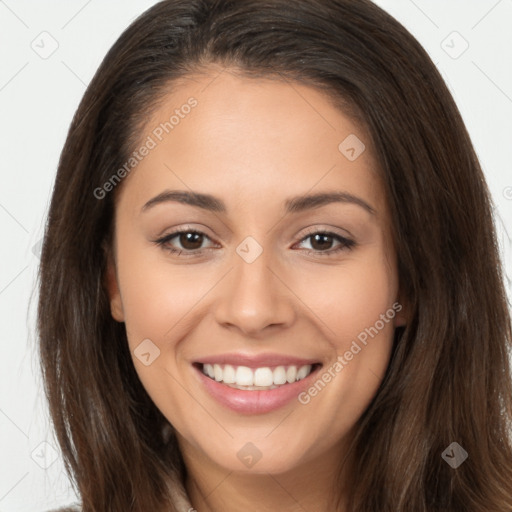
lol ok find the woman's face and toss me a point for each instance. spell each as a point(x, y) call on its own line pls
point(292, 299)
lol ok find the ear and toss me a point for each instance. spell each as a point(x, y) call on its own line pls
point(112, 286)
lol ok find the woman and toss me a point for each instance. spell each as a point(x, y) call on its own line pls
point(269, 278)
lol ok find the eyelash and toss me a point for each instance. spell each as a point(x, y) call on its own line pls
point(345, 243)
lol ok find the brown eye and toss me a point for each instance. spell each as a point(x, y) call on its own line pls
point(321, 241)
point(326, 244)
point(190, 240)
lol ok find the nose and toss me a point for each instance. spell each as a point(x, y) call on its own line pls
point(253, 297)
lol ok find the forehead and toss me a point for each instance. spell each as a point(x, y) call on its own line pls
point(252, 139)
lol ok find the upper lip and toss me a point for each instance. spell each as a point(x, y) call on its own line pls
point(256, 360)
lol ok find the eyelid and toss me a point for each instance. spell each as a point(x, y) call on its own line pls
point(187, 228)
point(313, 230)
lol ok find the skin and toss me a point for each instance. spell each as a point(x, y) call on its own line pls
point(254, 143)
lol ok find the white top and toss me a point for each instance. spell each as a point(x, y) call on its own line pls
point(179, 496)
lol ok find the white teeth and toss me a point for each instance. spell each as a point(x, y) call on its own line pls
point(265, 377)
point(217, 372)
point(244, 376)
point(279, 375)
point(229, 375)
point(291, 374)
point(303, 372)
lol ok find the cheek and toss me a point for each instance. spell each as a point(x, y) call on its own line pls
point(156, 296)
point(367, 294)
point(161, 303)
point(158, 304)
point(355, 306)
point(349, 299)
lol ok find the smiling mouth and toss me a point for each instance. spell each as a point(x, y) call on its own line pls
point(256, 379)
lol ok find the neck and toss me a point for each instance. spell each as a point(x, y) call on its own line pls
point(316, 485)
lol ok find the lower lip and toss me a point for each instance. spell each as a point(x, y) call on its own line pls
point(251, 401)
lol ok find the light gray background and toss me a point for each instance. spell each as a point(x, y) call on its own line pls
point(39, 93)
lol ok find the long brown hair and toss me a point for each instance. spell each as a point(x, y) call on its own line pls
point(449, 377)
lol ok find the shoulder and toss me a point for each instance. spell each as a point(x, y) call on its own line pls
point(68, 508)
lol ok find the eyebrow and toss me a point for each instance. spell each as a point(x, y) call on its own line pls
point(292, 205)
